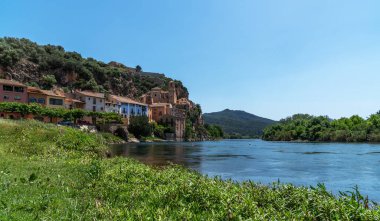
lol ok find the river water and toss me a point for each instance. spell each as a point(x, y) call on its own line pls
point(340, 166)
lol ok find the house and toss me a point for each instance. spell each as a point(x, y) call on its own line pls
point(13, 91)
point(93, 101)
point(45, 98)
point(126, 107)
point(71, 103)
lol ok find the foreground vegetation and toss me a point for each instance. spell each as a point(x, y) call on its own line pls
point(305, 127)
point(58, 173)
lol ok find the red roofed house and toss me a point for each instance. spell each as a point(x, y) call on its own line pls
point(13, 91)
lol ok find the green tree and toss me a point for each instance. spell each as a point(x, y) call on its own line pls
point(49, 81)
point(139, 126)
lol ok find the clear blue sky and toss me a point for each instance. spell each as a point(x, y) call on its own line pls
point(270, 58)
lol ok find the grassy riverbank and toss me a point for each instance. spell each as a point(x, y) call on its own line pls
point(57, 173)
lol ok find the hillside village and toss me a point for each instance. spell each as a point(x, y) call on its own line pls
point(157, 105)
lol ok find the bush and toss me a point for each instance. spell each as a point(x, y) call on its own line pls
point(139, 126)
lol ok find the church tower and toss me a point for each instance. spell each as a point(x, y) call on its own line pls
point(172, 93)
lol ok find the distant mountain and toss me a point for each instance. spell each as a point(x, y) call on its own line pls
point(237, 122)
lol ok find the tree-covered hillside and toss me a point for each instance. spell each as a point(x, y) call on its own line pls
point(238, 123)
point(305, 127)
point(48, 65)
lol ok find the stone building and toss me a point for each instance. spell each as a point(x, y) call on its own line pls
point(157, 95)
point(165, 108)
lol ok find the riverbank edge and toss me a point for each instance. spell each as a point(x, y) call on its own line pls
point(54, 172)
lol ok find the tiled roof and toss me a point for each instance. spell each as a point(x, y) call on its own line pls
point(91, 94)
point(35, 90)
point(11, 82)
point(126, 100)
point(74, 100)
point(160, 105)
point(51, 93)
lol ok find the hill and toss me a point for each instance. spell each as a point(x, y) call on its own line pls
point(46, 66)
point(238, 122)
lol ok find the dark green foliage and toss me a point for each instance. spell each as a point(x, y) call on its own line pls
point(238, 123)
point(48, 81)
point(73, 71)
point(139, 126)
point(159, 130)
point(310, 128)
point(214, 131)
point(58, 173)
point(194, 129)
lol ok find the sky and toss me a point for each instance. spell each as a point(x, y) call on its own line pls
point(272, 58)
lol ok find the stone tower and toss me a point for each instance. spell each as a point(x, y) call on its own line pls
point(172, 93)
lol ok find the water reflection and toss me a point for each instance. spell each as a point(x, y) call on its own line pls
point(339, 166)
point(160, 154)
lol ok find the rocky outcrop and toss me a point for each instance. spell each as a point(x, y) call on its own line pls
point(116, 129)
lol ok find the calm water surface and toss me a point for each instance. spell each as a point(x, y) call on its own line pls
point(339, 166)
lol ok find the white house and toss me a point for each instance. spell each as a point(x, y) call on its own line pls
point(93, 101)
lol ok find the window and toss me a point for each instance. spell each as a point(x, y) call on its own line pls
point(94, 108)
point(7, 88)
point(94, 101)
point(101, 108)
point(6, 97)
point(32, 100)
point(41, 100)
point(17, 98)
point(89, 98)
point(19, 89)
point(101, 100)
point(54, 101)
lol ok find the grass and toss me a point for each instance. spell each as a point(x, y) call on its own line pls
point(58, 173)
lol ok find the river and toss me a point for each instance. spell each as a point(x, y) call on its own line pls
point(340, 166)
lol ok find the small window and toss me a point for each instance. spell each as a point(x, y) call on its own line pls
point(94, 108)
point(89, 98)
point(6, 97)
point(7, 88)
point(19, 89)
point(54, 101)
point(101, 108)
point(17, 98)
point(94, 101)
point(32, 100)
point(41, 100)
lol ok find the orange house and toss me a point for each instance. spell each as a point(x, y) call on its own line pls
point(45, 98)
point(48, 99)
